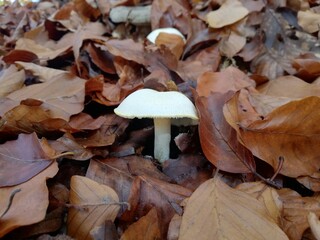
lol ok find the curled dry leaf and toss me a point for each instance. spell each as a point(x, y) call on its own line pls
point(215, 209)
point(91, 205)
point(34, 192)
point(21, 160)
point(230, 12)
point(146, 227)
point(289, 131)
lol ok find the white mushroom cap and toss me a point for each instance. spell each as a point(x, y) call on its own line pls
point(148, 103)
point(155, 33)
point(161, 106)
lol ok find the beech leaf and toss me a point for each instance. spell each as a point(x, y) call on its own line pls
point(92, 205)
point(29, 205)
point(215, 209)
point(230, 12)
point(21, 159)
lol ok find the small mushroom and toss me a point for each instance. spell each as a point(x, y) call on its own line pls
point(162, 107)
point(155, 33)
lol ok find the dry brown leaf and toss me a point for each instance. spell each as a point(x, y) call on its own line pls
point(67, 144)
point(146, 227)
point(314, 224)
point(34, 192)
point(266, 195)
point(91, 205)
point(63, 95)
point(218, 140)
point(230, 12)
point(215, 209)
point(294, 88)
point(45, 74)
point(311, 182)
point(138, 182)
point(21, 160)
point(295, 212)
point(290, 131)
point(44, 53)
point(229, 79)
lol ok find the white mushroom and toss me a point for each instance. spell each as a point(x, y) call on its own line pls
point(155, 33)
point(161, 106)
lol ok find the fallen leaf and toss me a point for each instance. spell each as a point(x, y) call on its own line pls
point(218, 139)
point(215, 209)
point(295, 212)
point(146, 227)
point(11, 79)
point(290, 131)
point(21, 160)
point(91, 205)
point(188, 170)
point(229, 12)
point(63, 95)
point(314, 224)
point(309, 21)
point(296, 88)
point(138, 182)
point(34, 192)
point(229, 79)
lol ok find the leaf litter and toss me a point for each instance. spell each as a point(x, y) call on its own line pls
point(70, 166)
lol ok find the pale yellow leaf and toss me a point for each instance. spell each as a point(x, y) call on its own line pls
point(93, 204)
point(217, 211)
point(230, 12)
point(266, 195)
point(309, 21)
point(11, 80)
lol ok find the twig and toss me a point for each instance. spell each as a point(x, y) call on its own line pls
point(139, 16)
point(13, 193)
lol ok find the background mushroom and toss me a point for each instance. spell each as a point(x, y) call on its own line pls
point(162, 107)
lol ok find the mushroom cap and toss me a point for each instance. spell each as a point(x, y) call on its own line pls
point(148, 103)
point(155, 33)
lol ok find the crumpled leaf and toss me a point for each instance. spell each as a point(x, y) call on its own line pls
point(91, 205)
point(229, 12)
point(34, 192)
point(215, 209)
point(21, 159)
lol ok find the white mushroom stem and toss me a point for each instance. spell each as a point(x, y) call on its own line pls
point(162, 137)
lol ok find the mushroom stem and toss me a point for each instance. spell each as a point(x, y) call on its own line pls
point(162, 137)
